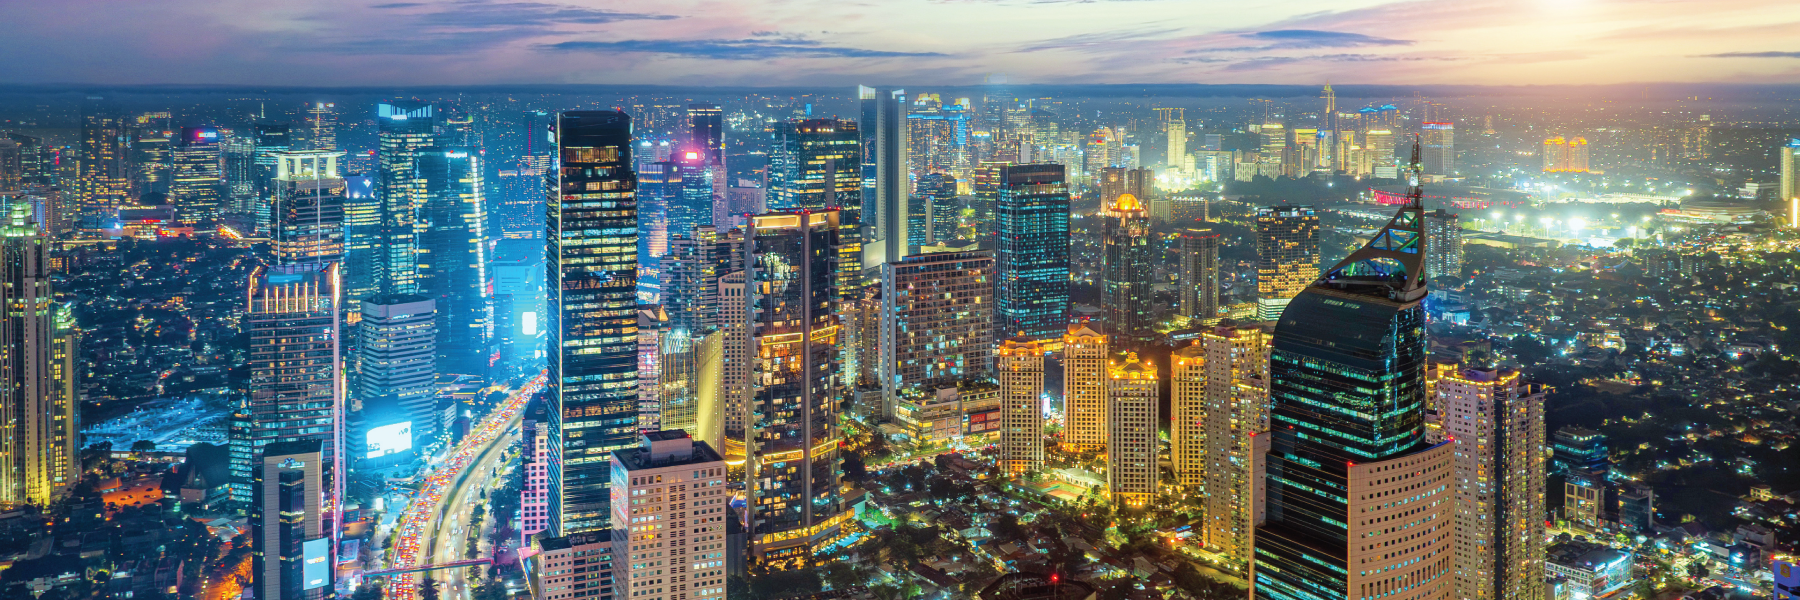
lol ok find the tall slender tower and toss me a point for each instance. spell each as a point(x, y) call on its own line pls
point(38, 433)
point(101, 180)
point(1230, 410)
point(1347, 414)
point(591, 240)
point(453, 255)
point(1020, 367)
point(1128, 256)
point(396, 378)
point(404, 128)
point(196, 186)
point(1084, 388)
point(1031, 253)
point(1132, 420)
point(1331, 125)
point(815, 164)
point(1199, 296)
point(885, 181)
point(1496, 425)
point(1287, 256)
point(322, 121)
point(308, 207)
point(1789, 157)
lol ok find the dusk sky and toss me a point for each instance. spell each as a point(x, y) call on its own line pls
point(839, 42)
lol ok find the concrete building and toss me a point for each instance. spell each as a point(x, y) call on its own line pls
point(1132, 421)
point(1020, 368)
point(1592, 570)
point(1127, 270)
point(1443, 233)
point(1496, 425)
point(295, 380)
point(396, 374)
point(1084, 388)
point(669, 511)
point(1287, 256)
point(291, 553)
point(534, 502)
point(1222, 403)
point(938, 315)
point(39, 427)
point(578, 566)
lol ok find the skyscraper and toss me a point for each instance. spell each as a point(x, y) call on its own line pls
point(1440, 148)
point(291, 553)
point(1177, 156)
point(292, 320)
point(1287, 256)
point(1496, 424)
point(321, 122)
point(938, 321)
point(1132, 421)
point(886, 185)
point(591, 238)
point(687, 192)
point(1445, 232)
point(269, 137)
point(1031, 253)
point(362, 237)
point(152, 157)
point(816, 164)
point(196, 186)
point(706, 131)
point(39, 436)
point(1221, 402)
point(792, 439)
point(1199, 275)
point(101, 180)
point(1084, 388)
point(1128, 265)
point(933, 210)
point(1347, 414)
point(1019, 364)
point(1118, 181)
point(668, 514)
point(451, 268)
point(396, 378)
point(987, 186)
point(403, 128)
point(1789, 157)
point(690, 281)
point(308, 207)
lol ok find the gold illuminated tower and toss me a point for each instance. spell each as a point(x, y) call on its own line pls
point(1132, 419)
point(1020, 367)
point(1789, 156)
point(1221, 402)
point(1287, 256)
point(1084, 388)
point(38, 431)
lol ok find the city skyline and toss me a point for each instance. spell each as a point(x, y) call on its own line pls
point(474, 42)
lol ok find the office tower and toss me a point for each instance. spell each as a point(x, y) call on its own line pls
point(38, 428)
point(690, 273)
point(1019, 364)
point(1496, 425)
point(396, 376)
point(195, 188)
point(797, 509)
point(706, 131)
point(152, 157)
point(101, 178)
point(653, 207)
point(1177, 156)
point(1031, 253)
point(1199, 295)
point(687, 192)
point(270, 137)
point(308, 207)
point(652, 326)
point(321, 124)
point(734, 320)
point(293, 321)
point(237, 155)
point(933, 211)
point(1445, 231)
point(1132, 421)
point(1233, 410)
point(37, 164)
point(362, 237)
point(403, 127)
point(1287, 256)
point(291, 554)
point(1789, 157)
point(1084, 388)
point(816, 164)
point(1440, 148)
point(1128, 265)
point(690, 384)
point(886, 184)
point(938, 321)
point(573, 567)
point(987, 187)
point(1579, 451)
point(534, 497)
point(591, 231)
point(669, 515)
point(1347, 413)
point(451, 267)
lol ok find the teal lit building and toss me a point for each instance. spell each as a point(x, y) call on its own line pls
point(1031, 253)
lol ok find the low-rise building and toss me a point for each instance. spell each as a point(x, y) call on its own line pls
point(1592, 570)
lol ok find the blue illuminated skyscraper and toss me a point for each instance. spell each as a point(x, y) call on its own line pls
point(885, 179)
point(1031, 253)
point(405, 127)
point(452, 263)
point(591, 273)
point(362, 233)
point(687, 192)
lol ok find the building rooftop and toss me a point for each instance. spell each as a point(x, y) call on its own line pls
point(669, 448)
point(1584, 555)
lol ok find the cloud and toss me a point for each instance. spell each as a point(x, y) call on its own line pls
point(1769, 54)
point(1098, 41)
point(460, 26)
point(1314, 38)
point(744, 49)
point(398, 5)
point(488, 15)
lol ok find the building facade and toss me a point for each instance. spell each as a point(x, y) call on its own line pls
point(1132, 421)
point(1031, 253)
point(453, 255)
point(938, 320)
point(196, 186)
point(669, 509)
point(404, 127)
point(1199, 295)
point(39, 426)
point(1129, 255)
point(396, 375)
point(1019, 364)
point(1496, 424)
point(1231, 411)
point(307, 206)
point(290, 543)
point(886, 184)
point(1287, 256)
point(1445, 230)
point(1084, 388)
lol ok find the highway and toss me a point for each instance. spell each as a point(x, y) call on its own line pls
point(434, 527)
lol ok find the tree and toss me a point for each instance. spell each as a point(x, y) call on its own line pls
point(371, 589)
point(428, 589)
point(143, 446)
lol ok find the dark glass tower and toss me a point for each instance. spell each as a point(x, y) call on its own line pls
point(687, 192)
point(814, 165)
point(1031, 253)
point(405, 127)
point(452, 264)
point(1358, 500)
point(1126, 275)
point(885, 185)
point(591, 259)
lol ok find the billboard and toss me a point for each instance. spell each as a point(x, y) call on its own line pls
point(1787, 579)
point(315, 570)
point(390, 439)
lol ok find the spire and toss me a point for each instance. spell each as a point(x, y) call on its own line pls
point(1392, 264)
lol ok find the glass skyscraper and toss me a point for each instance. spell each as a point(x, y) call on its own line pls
point(1126, 286)
point(405, 127)
point(452, 264)
point(885, 181)
point(1031, 253)
point(591, 274)
point(814, 165)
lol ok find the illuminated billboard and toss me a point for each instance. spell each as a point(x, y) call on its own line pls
point(315, 570)
point(390, 439)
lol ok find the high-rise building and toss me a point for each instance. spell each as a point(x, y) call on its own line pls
point(269, 137)
point(1565, 155)
point(290, 552)
point(308, 207)
point(1128, 257)
point(1496, 424)
point(1445, 231)
point(101, 176)
point(1199, 276)
point(1347, 414)
point(1440, 148)
point(152, 157)
point(321, 123)
point(362, 237)
point(1177, 156)
point(591, 233)
point(690, 281)
point(987, 187)
point(292, 321)
point(196, 186)
point(1221, 403)
point(1031, 253)
point(577, 566)
point(706, 131)
point(403, 128)
point(240, 174)
point(396, 376)
point(1132, 421)
point(933, 211)
point(937, 136)
point(1019, 364)
point(816, 164)
point(451, 267)
point(534, 498)
point(734, 320)
point(938, 321)
point(1287, 256)
point(669, 515)
point(39, 433)
point(1789, 157)
point(796, 509)
point(1084, 388)
point(1579, 451)
point(886, 184)
point(687, 192)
